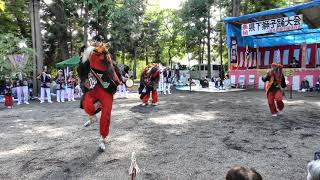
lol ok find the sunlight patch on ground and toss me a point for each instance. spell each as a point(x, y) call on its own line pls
point(16, 151)
point(294, 102)
point(316, 103)
point(48, 131)
point(205, 116)
point(128, 141)
point(176, 119)
point(128, 105)
point(173, 119)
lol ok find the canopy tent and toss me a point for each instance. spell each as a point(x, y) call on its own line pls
point(72, 62)
point(310, 33)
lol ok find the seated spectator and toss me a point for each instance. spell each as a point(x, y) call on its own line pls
point(227, 82)
point(204, 83)
point(313, 170)
point(242, 173)
point(318, 85)
point(208, 79)
point(305, 86)
point(213, 79)
point(295, 63)
point(217, 82)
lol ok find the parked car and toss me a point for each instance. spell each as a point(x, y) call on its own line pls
point(200, 71)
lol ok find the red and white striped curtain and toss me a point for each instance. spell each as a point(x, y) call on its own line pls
point(249, 57)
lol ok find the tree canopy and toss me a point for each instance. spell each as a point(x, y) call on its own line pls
point(138, 31)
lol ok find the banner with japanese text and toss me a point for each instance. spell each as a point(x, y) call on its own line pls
point(234, 46)
point(272, 25)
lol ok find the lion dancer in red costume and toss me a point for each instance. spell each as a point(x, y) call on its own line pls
point(149, 83)
point(99, 77)
point(274, 89)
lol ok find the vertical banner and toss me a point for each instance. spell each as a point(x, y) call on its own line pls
point(277, 56)
point(303, 55)
point(233, 52)
point(247, 59)
point(258, 58)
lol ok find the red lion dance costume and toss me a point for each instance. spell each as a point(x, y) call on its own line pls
point(149, 83)
point(99, 77)
point(275, 83)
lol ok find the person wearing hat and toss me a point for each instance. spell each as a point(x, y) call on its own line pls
point(99, 76)
point(45, 79)
point(71, 84)
point(149, 83)
point(60, 86)
point(275, 83)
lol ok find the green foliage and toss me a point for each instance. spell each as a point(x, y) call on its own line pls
point(134, 32)
point(9, 46)
point(2, 6)
point(14, 18)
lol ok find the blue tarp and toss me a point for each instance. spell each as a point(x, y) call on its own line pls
point(301, 36)
point(275, 11)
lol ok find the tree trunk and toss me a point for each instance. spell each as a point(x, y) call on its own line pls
point(123, 56)
point(245, 8)
point(208, 46)
point(85, 29)
point(64, 51)
point(235, 8)
point(202, 50)
point(199, 51)
point(61, 22)
point(221, 48)
point(36, 43)
point(134, 64)
point(147, 58)
point(170, 57)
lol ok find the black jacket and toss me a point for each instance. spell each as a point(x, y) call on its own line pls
point(275, 86)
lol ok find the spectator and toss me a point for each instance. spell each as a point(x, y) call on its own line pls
point(294, 63)
point(177, 71)
point(71, 85)
point(60, 86)
point(204, 83)
point(318, 85)
point(313, 170)
point(217, 83)
point(2, 86)
point(45, 79)
point(8, 94)
point(213, 79)
point(227, 82)
point(305, 86)
point(30, 87)
point(242, 173)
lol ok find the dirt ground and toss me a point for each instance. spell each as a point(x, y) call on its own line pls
point(188, 136)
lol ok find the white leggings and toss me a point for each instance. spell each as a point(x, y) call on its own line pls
point(23, 90)
point(43, 91)
point(167, 87)
point(70, 94)
point(122, 90)
point(60, 95)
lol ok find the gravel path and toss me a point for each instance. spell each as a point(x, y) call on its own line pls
point(188, 136)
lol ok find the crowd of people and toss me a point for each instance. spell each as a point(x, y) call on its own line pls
point(20, 88)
